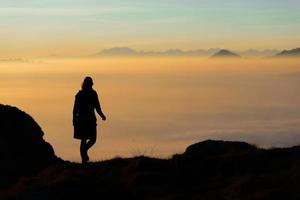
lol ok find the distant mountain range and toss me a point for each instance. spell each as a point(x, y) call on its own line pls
point(213, 52)
point(289, 53)
point(126, 51)
point(256, 53)
point(118, 51)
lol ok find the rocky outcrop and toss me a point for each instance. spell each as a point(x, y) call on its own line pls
point(23, 150)
point(210, 148)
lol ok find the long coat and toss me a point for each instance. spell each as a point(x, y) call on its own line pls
point(84, 118)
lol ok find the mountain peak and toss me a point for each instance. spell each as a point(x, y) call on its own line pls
point(224, 53)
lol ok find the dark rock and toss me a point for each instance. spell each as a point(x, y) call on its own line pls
point(218, 148)
point(23, 150)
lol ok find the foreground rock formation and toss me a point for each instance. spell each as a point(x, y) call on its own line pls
point(22, 148)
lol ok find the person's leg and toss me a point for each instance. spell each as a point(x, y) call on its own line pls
point(83, 150)
point(93, 137)
point(90, 143)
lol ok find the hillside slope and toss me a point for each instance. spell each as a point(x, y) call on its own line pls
point(209, 170)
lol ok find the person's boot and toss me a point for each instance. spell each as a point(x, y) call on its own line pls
point(84, 156)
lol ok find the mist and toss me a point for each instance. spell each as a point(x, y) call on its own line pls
point(158, 106)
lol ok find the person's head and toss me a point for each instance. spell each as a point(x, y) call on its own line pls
point(87, 83)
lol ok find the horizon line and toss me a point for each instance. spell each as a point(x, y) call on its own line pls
point(140, 51)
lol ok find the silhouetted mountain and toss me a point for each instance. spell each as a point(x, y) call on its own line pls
point(207, 170)
point(201, 52)
point(289, 53)
point(225, 54)
point(22, 148)
point(117, 51)
point(220, 53)
point(129, 52)
point(125, 51)
point(256, 53)
point(174, 52)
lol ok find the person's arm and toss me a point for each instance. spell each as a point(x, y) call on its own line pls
point(98, 108)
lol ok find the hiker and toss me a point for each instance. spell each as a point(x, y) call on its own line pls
point(84, 118)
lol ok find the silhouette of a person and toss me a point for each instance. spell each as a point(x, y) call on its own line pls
point(84, 118)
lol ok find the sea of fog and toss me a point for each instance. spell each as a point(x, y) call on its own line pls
point(158, 106)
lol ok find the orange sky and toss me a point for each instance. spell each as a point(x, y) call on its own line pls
point(33, 28)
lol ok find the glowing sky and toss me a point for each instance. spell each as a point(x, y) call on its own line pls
point(83, 27)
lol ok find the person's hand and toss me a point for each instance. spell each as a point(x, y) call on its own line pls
point(103, 118)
